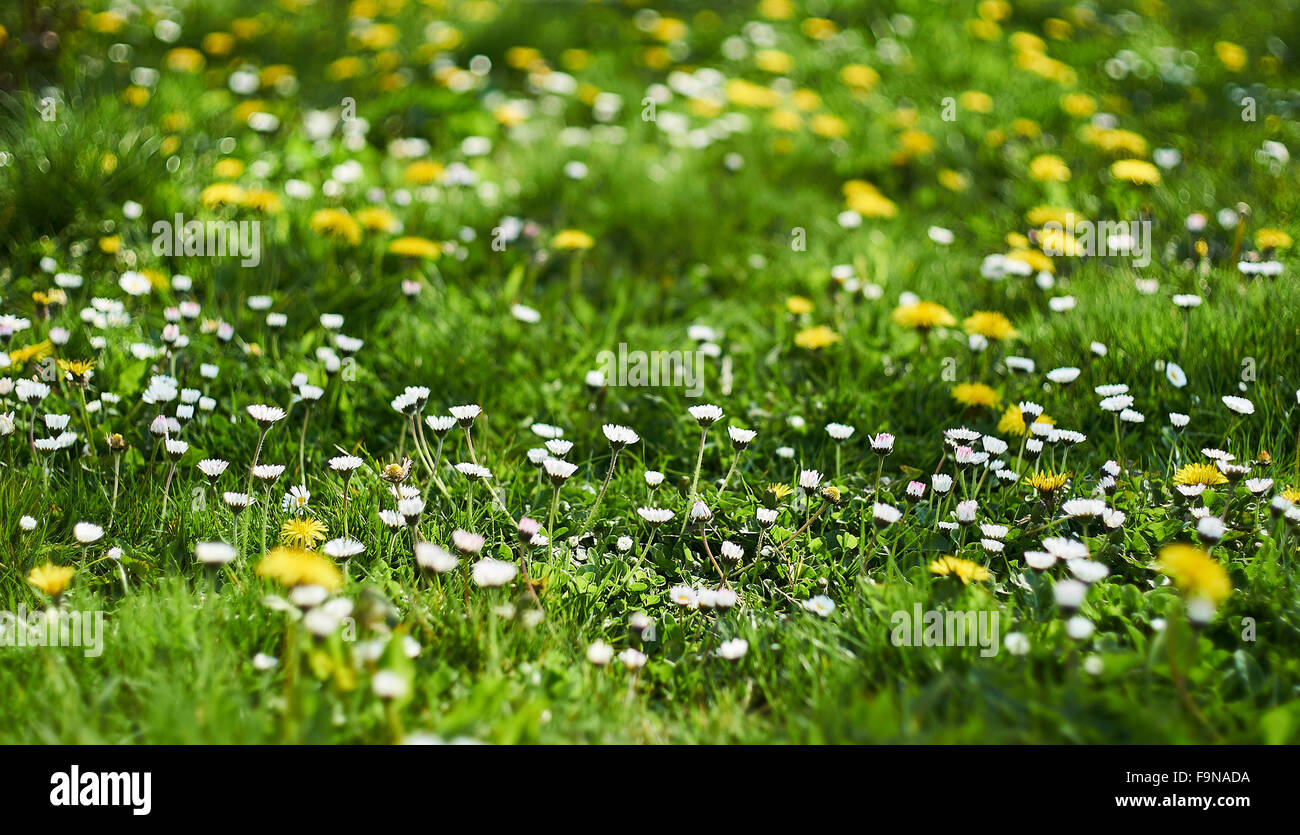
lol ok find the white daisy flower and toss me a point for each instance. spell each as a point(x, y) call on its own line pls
point(706, 414)
point(741, 438)
point(839, 431)
point(1240, 405)
point(213, 553)
point(87, 533)
point(733, 649)
point(491, 573)
point(435, 558)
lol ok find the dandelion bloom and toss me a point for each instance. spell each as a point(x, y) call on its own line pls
point(298, 567)
point(302, 533)
point(974, 395)
point(1136, 171)
point(1195, 573)
point(963, 570)
point(990, 325)
point(923, 316)
point(1205, 475)
point(816, 338)
point(51, 579)
point(415, 247)
point(572, 239)
point(1048, 481)
point(337, 225)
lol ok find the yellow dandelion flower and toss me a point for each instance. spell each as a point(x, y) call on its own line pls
point(976, 101)
point(953, 180)
point(818, 28)
point(785, 120)
point(779, 491)
point(1037, 261)
point(1049, 168)
point(228, 168)
point(1272, 239)
point(860, 77)
point(1027, 128)
point(415, 247)
point(1194, 572)
point(816, 338)
point(774, 61)
point(1292, 494)
point(1115, 140)
point(916, 142)
point(973, 395)
point(1013, 421)
point(963, 570)
point(744, 93)
point(262, 200)
point(798, 305)
point(1206, 475)
point(218, 43)
point(990, 325)
point(1079, 105)
point(829, 126)
point(184, 59)
point(572, 239)
point(424, 171)
point(302, 533)
point(349, 66)
point(35, 352)
point(1046, 481)
point(51, 579)
point(1136, 171)
point(1040, 216)
point(923, 316)
point(298, 567)
point(80, 369)
point(222, 194)
point(336, 224)
point(1232, 56)
point(378, 219)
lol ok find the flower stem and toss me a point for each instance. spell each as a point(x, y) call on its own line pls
point(695, 481)
point(591, 516)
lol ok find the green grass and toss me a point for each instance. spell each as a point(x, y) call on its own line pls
point(680, 239)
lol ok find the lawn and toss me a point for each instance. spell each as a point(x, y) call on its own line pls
point(777, 372)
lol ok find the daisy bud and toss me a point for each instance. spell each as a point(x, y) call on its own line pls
point(527, 529)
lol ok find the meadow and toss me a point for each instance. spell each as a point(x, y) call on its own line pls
point(326, 333)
